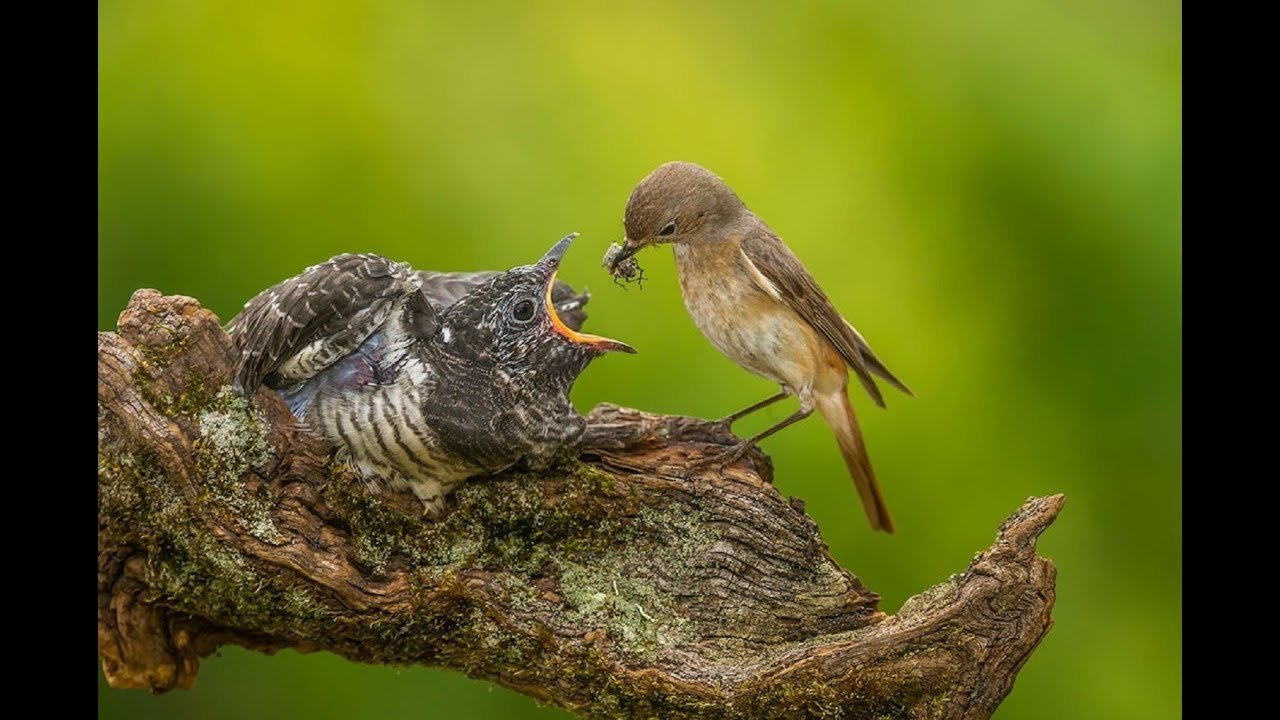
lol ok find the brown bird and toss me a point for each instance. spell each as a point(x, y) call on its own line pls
point(753, 299)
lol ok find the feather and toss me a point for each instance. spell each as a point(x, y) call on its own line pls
point(299, 327)
point(785, 278)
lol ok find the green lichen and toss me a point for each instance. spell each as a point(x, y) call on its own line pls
point(233, 440)
point(940, 594)
point(198, 393)
point(117, 497)
point(198, 573)
point(601, 548)
point(642, 619)
point(380, 529)
point(188, 567)
point(159, 357)
point(807, 693)
point(511, 522)
point(134, 497)
point(619, 592)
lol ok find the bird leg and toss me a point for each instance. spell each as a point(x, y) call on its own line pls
point(728, 420)
point(735, 452)
point(432, 495)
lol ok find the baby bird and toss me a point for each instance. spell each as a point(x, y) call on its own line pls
point(424, 379)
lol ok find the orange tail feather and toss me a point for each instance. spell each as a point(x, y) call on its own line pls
point(838, 412)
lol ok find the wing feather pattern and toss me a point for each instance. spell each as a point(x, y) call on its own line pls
point(787, 280)
point(297, 328)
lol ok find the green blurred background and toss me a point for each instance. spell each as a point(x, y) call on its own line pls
point(990, 191)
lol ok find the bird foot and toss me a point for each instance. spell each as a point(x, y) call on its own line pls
point(719, 433)
point(724, 427)
point(432, 497)
point(726, 457)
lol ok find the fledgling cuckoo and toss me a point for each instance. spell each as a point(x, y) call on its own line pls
point(424, 379)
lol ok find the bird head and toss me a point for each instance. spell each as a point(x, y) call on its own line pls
point(679, 202)
point(510, 323)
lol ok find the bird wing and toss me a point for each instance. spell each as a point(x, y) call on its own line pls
point(445, 288)
point(301, 326)
point(780, 273)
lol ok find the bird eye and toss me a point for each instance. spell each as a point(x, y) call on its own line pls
point(667, 229)
point(523, 311)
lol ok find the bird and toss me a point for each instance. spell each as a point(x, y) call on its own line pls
point(424, 379)
point(756, 303)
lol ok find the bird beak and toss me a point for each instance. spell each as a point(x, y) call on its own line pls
point(629, 248)
point(551, 261)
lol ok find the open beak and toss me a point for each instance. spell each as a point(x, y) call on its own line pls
point(601, 344)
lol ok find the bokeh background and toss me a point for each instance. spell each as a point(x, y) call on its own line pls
point(990, 191)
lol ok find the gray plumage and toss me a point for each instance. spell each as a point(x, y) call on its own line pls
point(444, 288)
point(423, 379)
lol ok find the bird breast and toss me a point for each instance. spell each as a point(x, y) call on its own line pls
point(386, 433)
point(741, 315)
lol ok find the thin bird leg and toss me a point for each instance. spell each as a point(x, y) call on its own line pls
point(729, 420)
point(794, 418)
point(733, 454)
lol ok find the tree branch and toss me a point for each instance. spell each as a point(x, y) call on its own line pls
point(621, 584)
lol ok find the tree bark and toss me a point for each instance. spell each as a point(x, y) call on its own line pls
point(619, 584)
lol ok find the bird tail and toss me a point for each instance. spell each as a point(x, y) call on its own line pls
point(838, 412)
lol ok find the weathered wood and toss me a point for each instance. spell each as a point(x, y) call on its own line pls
point(618, 584)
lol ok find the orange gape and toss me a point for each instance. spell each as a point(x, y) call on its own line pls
point(586, 339)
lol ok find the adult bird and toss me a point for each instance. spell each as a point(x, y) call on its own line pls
point(756, 303)
point(424, 379)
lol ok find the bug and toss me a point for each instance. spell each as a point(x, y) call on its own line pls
point(628, 269)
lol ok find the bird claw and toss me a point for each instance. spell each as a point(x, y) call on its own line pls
point(723, 426)
point(724, 458)
point(433, 508)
